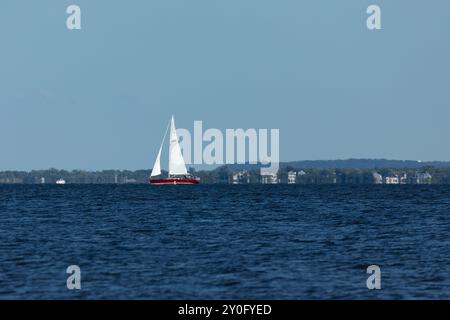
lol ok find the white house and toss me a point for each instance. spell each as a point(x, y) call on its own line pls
point(241, 177)
point(292, 177)
point(404, 179)
point(269, 178)
point(423, 178)
point(391, 180)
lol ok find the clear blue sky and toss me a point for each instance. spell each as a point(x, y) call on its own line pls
point(101, 97)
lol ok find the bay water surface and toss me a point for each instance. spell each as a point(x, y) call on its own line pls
point(224, 241)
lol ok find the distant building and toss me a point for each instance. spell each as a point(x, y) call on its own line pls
point(391, 180)
point(42, 180)
point(423, 178)
point(241, 177)
point(269, 178)
point(404, 179)
point(11, 181)
point(292, 177)
point(377, 178)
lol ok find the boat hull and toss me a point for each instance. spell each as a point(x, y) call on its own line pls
point(174, 181)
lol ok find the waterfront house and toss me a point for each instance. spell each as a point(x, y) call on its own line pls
point(391, 179)
point(271, 178)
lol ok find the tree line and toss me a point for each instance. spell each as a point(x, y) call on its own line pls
point(225, 175)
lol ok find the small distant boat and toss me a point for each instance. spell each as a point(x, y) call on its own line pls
point(177, 167)
point(60, 181)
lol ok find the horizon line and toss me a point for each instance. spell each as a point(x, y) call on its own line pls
point(214, 166)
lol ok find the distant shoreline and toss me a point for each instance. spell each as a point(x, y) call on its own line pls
point(351, 171)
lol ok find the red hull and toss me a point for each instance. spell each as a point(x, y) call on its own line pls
point(173, 181)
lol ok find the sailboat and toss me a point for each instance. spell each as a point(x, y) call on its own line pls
point(177, 167)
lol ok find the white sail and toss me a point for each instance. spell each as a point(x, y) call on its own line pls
point(156, 171)
point(176, 161)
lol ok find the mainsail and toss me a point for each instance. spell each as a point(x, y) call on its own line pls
point(176, 161)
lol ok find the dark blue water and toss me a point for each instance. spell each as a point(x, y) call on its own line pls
point(224, 242)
